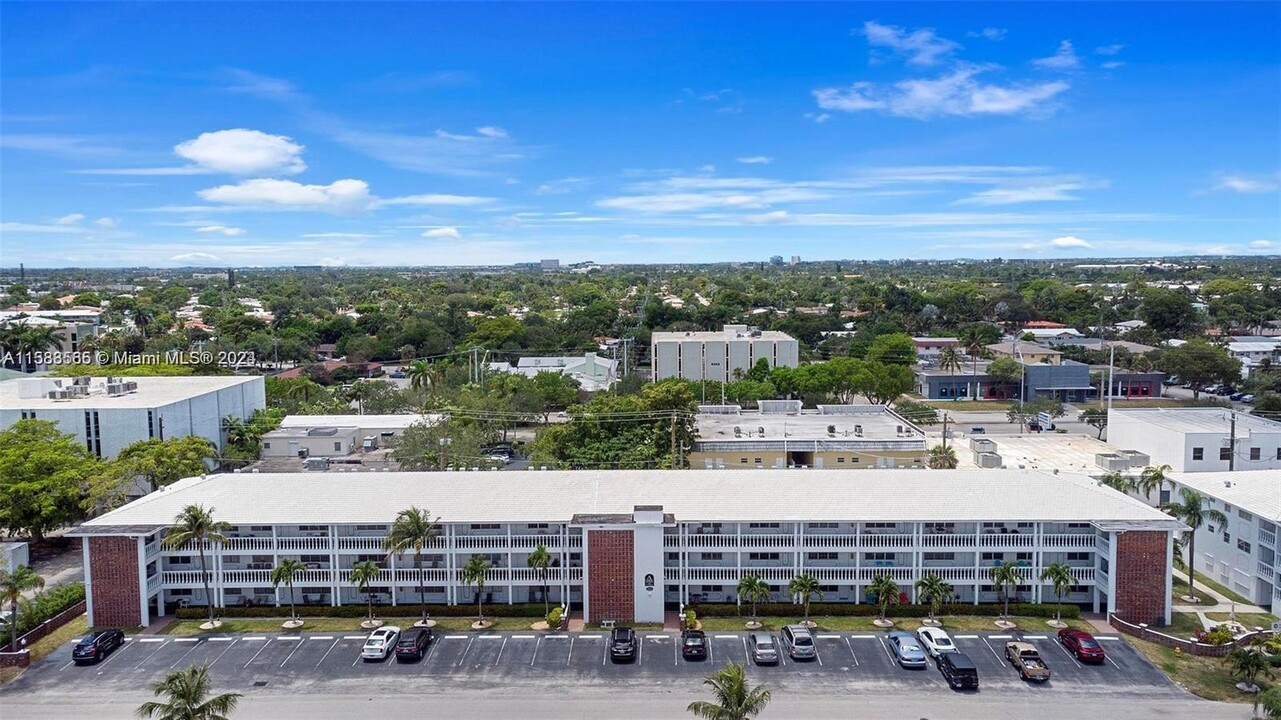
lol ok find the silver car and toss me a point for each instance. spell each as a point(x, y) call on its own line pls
point(798, 642)
point(763, 648)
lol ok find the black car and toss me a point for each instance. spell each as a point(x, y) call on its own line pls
point(622, 644)
point(694, 645)
point(97, 645)
point(412, 644)
point(959, 671)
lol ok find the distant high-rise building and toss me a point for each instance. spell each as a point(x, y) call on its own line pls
point(796, 259)
point(231, 277)
point(716, 355)
point(550, 265)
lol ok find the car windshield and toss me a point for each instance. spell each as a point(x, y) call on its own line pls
point(942, 641)
point(804, 640)
point(765, 643)
point(910, 647)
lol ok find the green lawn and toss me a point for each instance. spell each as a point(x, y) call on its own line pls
point(42, 647)
point(970, 405)
point(1203, 581)
point(865, 624)
point(1181, 587)
point(1204, 676)
point(635, 626)
point(1182, 625)
point(1250, 620)
point(264, 625)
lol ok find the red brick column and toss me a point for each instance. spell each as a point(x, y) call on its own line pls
point(610, 576)
point(1140, 576)
point(113, 574)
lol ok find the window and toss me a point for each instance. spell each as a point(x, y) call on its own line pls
point(338, 446)
point(742, 461)
point(1243, 546)
point(484, 526)
point(1256, 453)
point(855, 459)
point(1279, 453)
point(770, 526)
point(1225, 453)
point(231, 558)
point(879, 556)
point(1078, 556)
point(151, 425)
point(266, 446)
point(822, 556)
point(366, 528)
point(713, 556)
point(313, 528)
point(840, 460)
point(314, 558)
point(1078, 526)
point(1227, 538)
point(880, 526)
point(763, 556)
point(232, 591)
point(756, 460)
point(989, 556)
point(1244, 515)
point(179, 560)
point(1198, 453)
point(1025, 556)
point(940, 556)
point(674, 556)
point(538, 526)
point(827, 588)
point(260, 528)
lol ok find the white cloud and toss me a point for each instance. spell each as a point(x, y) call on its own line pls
point(1112, 65)
point(690, 201)
point(957, 93)
point(436, 199)
point(769, 218)
point(441, 153)
point(727, 100)
point(339, 235)
point(443, 232)
point(819, 118)
point(1109, 49)
point(491, 131)
point(1245, 185)
point(333, 261)
point(920, 47)
point(194, 257)
point(1260, 244)
point(991, 33)
point(107, 223)
point(1008, 196)
point(756, 160)
point(17, 227)
point(221, 230)
point(72, 219)
point(562, 186)
point(243, 152)
point(1070, 241)
point(1064, 59)
point(341, 196)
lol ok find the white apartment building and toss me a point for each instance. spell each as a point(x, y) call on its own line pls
point(1198, 439)
point(629, 545)
point(716, 355)
point(1242, 555)
point(106, 414)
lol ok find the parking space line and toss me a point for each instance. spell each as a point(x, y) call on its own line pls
point(464, 655)
point(224, 651)
point(69, 664)
point(828, 637)
point(264, 647)
point(289, 637)
point(818, 656)
point(185, 639)
point(605, 657)
point(153, 653)
point(1001, 637)
point(353, 637)
point(966, 637)
point(1109, 659)
point(585, 637)
point(456, 637)
point(868, 637)
point(1106, 637)
point(725, 637)
point(567, 659)
point(221, 639)
point(431, 645)
point(521, 637)
point(747, 656)
point(255, 637)
point(151, 640)
point(321, 637)
point(1034, 637)
point(331, 647)
point(1065, 652)
point(291, 654)
point(500, 652)
point(113, 655)
point(994, 652)
point(888, 654)
point(850, 645)
point(184, 655)
point(640, 653)
point(676, 653)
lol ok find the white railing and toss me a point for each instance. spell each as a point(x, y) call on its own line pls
point(249, 543)
point(770, 541)
point(1068, 540)
point(900, 574)
point(246, 577)
point(886, 540)
point(710, 541)
point(834, 540)
point(1266, 572)
point(1083, 574)
point(948, 541)
point(954, 574)
point(152, 549)
point(182, 577)
point(549, 540)
point(1101, 579)
point(1267, 537)
point(153, 583)
point(360, 543)
point(429, 575)
point(302, 543)
point(1008, 540)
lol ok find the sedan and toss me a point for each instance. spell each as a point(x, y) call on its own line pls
point(381, 643)
point(694, 645)
point(907, 651)
point(413, 644)
point(1082, 645)
point(97, 645)
point(936, 641)
point(764, 649)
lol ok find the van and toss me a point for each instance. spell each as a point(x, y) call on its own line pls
point(959, 671)
point(798, 642)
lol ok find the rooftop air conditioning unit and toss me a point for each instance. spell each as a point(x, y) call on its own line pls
point(858, 430)
point(831, 430)
point(738, 432)
point(761, 430)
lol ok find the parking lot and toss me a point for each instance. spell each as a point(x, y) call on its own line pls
point(846, 662)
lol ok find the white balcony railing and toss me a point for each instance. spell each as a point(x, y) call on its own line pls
point(949, 541)
point(302, 543)
point(833, 540)
point(249, 543)
point(1267, 572)
point(181, 577)
point(1068, 541)
point(1267, 537)
point(1007, 540)
point(886, 540)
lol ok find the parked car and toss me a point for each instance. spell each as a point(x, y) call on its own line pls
point(764, 649)
point(1082, 645)
point(413, 644)
point(694, 645)
point(978, 430)
point(397, 374)
point(1236, 396)
point(959, 671)
point(1211, 389)
point(622, 644)
point(1248, 399)
point(381, 643)
point(936, 641)
point(97, 645)
point(798, 642)
point(1027, 660)
point(907, 651)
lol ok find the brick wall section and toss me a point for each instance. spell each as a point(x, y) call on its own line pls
point(22, 658)
point(113, 573)
point(1140, 576)
point(610, 571)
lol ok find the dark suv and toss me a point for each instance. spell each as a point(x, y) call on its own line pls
point(412, 644)
point(622, 644)
point(97, 645)
point(694, 645)
point(959, 671)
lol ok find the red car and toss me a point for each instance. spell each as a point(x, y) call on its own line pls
point(1082, 645)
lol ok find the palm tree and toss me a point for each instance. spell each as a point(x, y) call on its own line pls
point(363, 573)
point(975, 338)
point(754, 589)
point(143, 316)
point(36, 339)
point(1062, 577)
point(885, 590)
point(197, 525)
point(942, 457)
point(806, 586)
point(1270, 699)
point(1005, 576)
point(285, 573)
point(474, 574)
point(539, 560)
point(422, 376)
point(12, 585)
point(187, 695)
point(413, 529)
point(1193, 510)
point(735, 699)
point(1248, 664)
point(1118, 481)
point(949, 359)
point(1152, 478)
point(933, 589)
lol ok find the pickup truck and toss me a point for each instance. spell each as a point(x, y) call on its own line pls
point(1024, 657)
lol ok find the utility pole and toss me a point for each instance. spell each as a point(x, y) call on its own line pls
point(944, 429)
point(1232, 441)
point(1111, 371)
point(673, 439)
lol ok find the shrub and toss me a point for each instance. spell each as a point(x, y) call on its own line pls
point(1220, 635)
point(358, 611)
point(44, 606)
point(691, 617)
point(902, 611)
point(553, 617)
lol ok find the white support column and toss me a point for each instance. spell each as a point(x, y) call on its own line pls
point(275, 558)
point(333, 567)
point(392, 565)
point(978, 559)
point(219, 584)
point(84, 552)
point(587, 595)
point(1038, 561)
point(511, 568)
point(143, 610)
point(1169, 576)
point(1112, 548)
point(451, 594)
point(918, 557)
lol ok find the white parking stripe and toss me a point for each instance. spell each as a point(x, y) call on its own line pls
point(254, 637)
point(1034, 637)
point(521, 637)
point(184, 655)
point(291, 654)
point(255, 657)
point(220, 639)
point(149, 640)
point(489, 637)
point(726, 637)
point(322, 657)
point(539, 641)
point(500, 652)
point(850, 645)
point(863, 637)
point(353, 637)
point(224, 652)
point(966, 637)
point(69, 664)
point(153, 653)
point(321, 637)
point(581, 637)
point(994, 652)
point(186, 639)
point(828, 637)
point(289, 637)
point(463, 657)
point(1106, 637)
point(455, 637)
point(1000, 637)
point(1065, 652)
point(668, 637)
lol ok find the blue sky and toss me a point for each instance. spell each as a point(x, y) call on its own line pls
point(381, 134)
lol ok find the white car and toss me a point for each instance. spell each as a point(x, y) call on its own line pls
point(936, 641)
point(380, 643)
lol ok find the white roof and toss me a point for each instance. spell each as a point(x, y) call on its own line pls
point(720, 495)
point(1256, 491)
point(357, 421)
point(1198, 420)
point(152, 392)
point(876, 422)
point(714, 335)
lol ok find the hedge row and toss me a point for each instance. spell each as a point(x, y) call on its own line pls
point(44, 606)
point(359, 611)
point(863, 610)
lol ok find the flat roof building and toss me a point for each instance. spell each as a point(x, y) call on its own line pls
point(630, 544)
point(106, 414)
point(1198, 439)
point(716, 355)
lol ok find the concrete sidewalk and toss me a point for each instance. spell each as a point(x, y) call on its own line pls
point(1222, 604)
